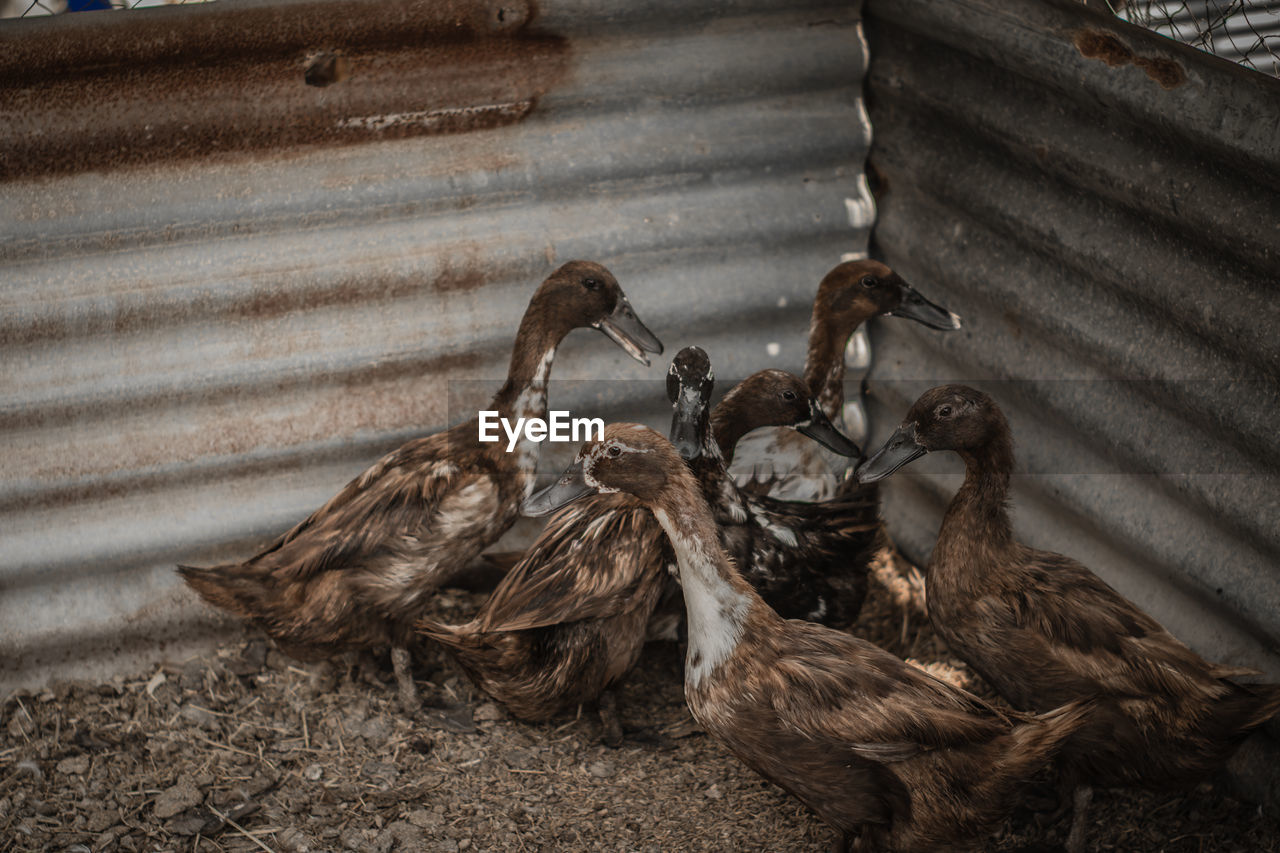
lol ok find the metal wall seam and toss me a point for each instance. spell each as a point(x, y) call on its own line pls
point(203, 344)
point(1099, 203)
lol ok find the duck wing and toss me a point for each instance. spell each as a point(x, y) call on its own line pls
point(1085, 636)
point(782, 463)
point(807, 560)
point(593, 560)
point(880, 707)
point(398, 510)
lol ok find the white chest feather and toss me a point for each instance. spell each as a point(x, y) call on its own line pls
point(532, 403)
point(716, 611)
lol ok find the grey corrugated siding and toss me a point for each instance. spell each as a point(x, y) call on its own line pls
point(215, 308)
point(1114, 248)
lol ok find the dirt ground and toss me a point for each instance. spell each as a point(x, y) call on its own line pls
point(239, 751)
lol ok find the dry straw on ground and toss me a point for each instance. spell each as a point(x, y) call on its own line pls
point(237, 751)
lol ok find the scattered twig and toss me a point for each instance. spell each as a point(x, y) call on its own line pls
point(22, 728)
point(240, 829)
point(231, 748)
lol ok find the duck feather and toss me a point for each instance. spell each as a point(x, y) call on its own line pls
point(356, 571)
point(886, 753)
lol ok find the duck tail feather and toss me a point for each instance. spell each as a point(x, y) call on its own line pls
point(222, 586)
point(1038, 740)
point(1267, 706)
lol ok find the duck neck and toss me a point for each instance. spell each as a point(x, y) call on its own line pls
point(978, 517)
point(717, 599)
point(524, 395)
point(728, 425)
point(824, 364)
point(711, 469)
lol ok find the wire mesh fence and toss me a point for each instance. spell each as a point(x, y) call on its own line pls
point(1244, 31)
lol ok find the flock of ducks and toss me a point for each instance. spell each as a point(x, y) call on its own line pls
point(891, 757)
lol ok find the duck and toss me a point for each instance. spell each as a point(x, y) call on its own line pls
point(356, 572)
point(807, 560)
point(569, 620)
point(1042, 629)
point(779, 463)
point(889, 756)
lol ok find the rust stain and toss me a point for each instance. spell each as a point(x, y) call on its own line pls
point(212, 85)
point(382, 397)
point(461, 266)
point(1096, 44)
point(325, 69)
point(469, 273)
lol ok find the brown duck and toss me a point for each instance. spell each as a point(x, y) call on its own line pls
point(806, 560)
point(356, 572)
point(1043, 629)
point(778, 462)
point(888, 755)
point(569, 619)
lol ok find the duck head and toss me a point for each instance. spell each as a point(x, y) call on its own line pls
point(689, 384)
point(583, 294)
point(857, 290)
point(629, 458)
point(949, 417)
point(776, 398)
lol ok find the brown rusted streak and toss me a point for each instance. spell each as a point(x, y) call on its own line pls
point(56, 415)
point(463, 266)
point(1095, 44)
point(231, 100)
point(325, 69)
point(385, 398)
point(468, 272)
point(39, 50)
point(1166, 72)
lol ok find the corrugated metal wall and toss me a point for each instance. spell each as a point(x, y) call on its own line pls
point(1102, 207)
point(224, 291)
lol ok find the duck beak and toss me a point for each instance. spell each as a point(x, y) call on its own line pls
point(900, 449)
point(915, 307)
point(689, 408)
point(625, 329)
point(571, 486)
point(821, 430)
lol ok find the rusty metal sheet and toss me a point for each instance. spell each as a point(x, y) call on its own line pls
point(223, 291)
point(1100, 204)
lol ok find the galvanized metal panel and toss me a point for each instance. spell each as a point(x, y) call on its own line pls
point(1101, 206)
point(223, 292)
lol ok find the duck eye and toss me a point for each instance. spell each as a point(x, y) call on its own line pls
point(614, 452)
point(944, 411)
point(592, 283)
point(788, 394)
point(869, 281)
